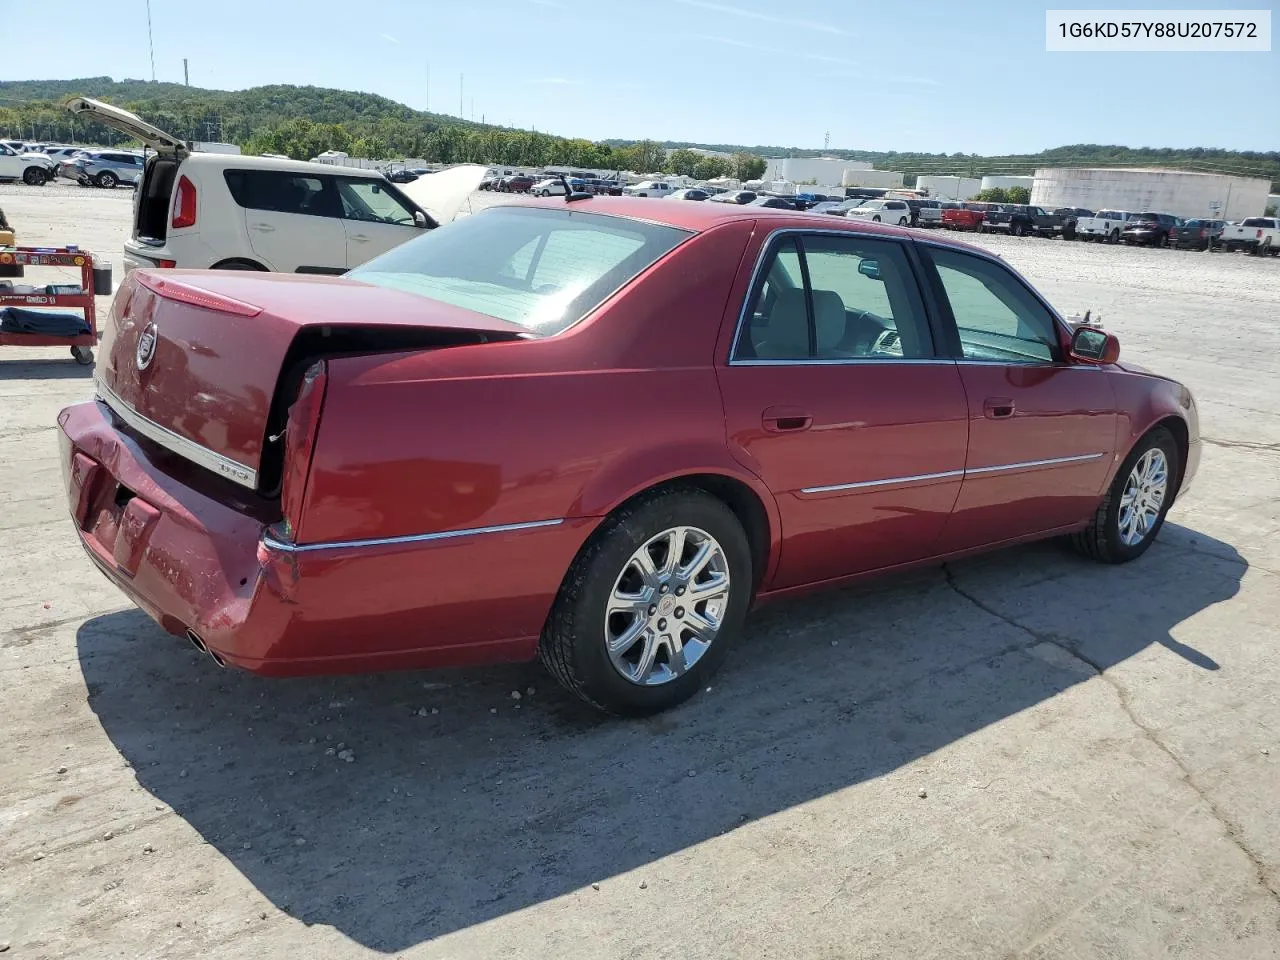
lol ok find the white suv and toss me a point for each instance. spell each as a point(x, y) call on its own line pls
point(229, 212)
point(33, 169)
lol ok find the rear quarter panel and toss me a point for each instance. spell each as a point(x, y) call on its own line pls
point(515, 432)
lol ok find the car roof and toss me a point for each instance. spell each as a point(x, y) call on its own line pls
point(700, 217)
point(246, 162)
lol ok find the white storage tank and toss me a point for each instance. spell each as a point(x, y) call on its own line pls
point(1178, 192)
point(1004, 183)
point(949, 188)
point(871, 178)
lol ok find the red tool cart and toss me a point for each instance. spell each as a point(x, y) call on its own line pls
point(54, 296)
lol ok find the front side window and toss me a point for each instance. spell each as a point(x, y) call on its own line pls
point(835, 298)
point(539, 268)
point(998, 318)
point(371, 201)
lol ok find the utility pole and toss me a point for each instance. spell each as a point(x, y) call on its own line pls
point(186, 76)
point(150, 43)
point(473, 109)
point(826, 140)
point(427, 91)
point(462, 114)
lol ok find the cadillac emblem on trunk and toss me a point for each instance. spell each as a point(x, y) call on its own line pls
point(147, 346)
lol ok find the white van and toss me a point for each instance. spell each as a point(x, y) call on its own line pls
point(228, 212)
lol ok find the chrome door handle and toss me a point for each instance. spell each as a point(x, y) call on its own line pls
point(998, 408)
point(359, 238)
point(264, 228)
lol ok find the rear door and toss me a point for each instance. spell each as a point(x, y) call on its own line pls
point(292, 220)
point(835, 398)
point(374, 218)
point(1041, 429)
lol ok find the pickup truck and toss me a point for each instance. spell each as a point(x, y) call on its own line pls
point(1070, 217)
point(966, 216)
point(925, 213)
point(1106, 226)
point(1258, 235)
point(1021, 219)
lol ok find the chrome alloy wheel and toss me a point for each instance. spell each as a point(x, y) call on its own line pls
point(1143, 497)
point(666, 606)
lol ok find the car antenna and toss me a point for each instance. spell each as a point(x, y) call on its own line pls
point(571, 195)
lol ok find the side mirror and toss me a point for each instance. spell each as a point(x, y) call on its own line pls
point(419, 219)
point(1091, 345)
point(869, 268)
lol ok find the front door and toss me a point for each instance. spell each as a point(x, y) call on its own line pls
point(374, 218)
point(835, 398)
point(1041, 430)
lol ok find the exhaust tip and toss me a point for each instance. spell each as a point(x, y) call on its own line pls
point(196, 641)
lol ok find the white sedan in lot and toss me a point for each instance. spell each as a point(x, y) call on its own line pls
point(883, 211)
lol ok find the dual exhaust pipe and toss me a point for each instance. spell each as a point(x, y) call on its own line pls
point(203, 648)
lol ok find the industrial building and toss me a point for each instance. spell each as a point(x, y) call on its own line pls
point(811, 169)
point(1004, 183)
point(1164, 191)
point(949, 188)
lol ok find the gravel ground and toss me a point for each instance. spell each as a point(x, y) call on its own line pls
point(1022, 755)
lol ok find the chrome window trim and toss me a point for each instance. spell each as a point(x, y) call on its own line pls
point(946, 474)
point(766, 247)
point(838, 362)
point(233, 470)
point(272, 542)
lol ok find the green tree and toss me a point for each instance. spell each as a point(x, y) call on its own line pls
point(709, 168)
point(992, 195)
point(1018, 194)
point(683, 162)
point(746, 166)
point(1270, 211)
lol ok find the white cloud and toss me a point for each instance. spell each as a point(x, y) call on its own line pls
point(387, 36)
point(765, 17)
point(557, 81)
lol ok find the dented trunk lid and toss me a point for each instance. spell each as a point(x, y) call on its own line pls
point(201, 362)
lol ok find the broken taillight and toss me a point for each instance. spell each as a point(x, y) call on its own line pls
point(301, 425)
point(184, 204)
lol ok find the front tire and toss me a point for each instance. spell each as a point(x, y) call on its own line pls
point(1132, 512)
point(34, 177)
point(651, 605)
point(107, 180)
point(902, 221)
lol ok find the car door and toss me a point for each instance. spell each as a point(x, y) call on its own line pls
point(10, 163)
point(374, 218)
point(835, 398)
point(291, 219)
point(1041, 429)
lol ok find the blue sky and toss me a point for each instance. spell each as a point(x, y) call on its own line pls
point(968, 77)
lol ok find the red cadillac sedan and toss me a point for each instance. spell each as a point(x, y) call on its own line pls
point(594, 432)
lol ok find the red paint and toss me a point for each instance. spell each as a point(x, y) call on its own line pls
point(428, 439)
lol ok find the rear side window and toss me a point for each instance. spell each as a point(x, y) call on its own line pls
point(542, 269)
point(279, 191)
point(835, 298)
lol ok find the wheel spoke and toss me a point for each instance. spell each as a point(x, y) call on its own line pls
point(643, 561)
point(675, 549)
point(675, 654)
point(627, 638)
point(706, 552)
point(711, 589)
point(645, 664)
point(636, 603)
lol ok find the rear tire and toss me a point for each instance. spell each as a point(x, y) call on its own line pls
point(34, 176)
point(107, 180)
point(1104, 540)
point(573, 647)
point(1114, 237)
point(902, 221)
point(82, 355)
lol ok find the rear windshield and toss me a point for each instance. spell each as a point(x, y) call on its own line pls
point(542, 269)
